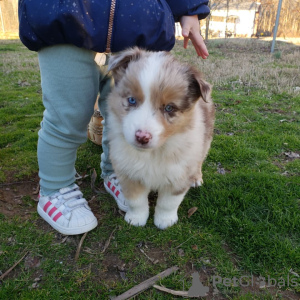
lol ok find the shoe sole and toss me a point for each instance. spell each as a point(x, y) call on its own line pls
point(120, 205)
point(63, 230)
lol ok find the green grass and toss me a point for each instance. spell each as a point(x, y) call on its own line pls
point(20, 110)
point(247, 222)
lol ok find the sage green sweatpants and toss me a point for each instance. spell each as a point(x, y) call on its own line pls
point(70, 85)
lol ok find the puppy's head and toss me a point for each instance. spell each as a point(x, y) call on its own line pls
point(154, 96)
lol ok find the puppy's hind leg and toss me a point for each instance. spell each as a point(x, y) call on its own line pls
point(166, 207)
point(137, 199)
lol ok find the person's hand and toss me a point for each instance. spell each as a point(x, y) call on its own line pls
point(190, 31)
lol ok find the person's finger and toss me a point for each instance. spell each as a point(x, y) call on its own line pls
point(185, 42)
point(185, 33)
point(199, 45)
point(190, 31)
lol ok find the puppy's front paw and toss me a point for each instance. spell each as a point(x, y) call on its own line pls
point(165, 220)
point(136, 219)
point(197, 182)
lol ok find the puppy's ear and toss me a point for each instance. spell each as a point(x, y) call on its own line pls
point(118, 63)
point(197, 86)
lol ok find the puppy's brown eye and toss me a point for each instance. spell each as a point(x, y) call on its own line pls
point(169, 108)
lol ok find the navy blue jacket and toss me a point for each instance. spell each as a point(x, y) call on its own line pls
point(145, 23)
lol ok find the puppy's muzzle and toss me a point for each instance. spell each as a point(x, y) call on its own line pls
point(143, 137)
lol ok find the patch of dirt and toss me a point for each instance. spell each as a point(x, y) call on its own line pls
point(256, 290)
point(153, 254)
point(113, 269)
point(18, 198)
point(276, 109)
point(32, 262)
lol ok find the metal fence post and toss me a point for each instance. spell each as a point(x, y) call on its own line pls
point(276, 25)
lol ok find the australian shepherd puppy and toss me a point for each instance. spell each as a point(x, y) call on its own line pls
point(160, 123)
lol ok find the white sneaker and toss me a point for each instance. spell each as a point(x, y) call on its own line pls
point(113, 187)
point(67, 212)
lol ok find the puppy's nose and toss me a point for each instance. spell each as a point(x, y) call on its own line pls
point(143, 137)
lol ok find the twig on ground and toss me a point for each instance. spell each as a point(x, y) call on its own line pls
point(151, 259)
point(89, 251)
point(16, 182)
point(83, 176)
point(34, 115)
point(79, 246)
point(122, 213)
point(92, 199)
point(61, 242)
point(185, 241)
point(172, 292)
point(108, 241)
point(11, 268)
point(64, 239)
point(146, 284)
point(247, 119)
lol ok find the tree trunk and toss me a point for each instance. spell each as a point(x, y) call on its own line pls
point(227, 13)
point(207, 27)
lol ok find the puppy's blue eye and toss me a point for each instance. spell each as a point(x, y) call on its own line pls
point(169, 108)
point(131, 101)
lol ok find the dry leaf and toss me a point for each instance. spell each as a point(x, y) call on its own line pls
point(93, 179)
point(191, 211)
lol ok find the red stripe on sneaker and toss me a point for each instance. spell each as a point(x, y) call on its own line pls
point(57, 216)
point(113, 188)
point(117, 193)
point(52, 211)
point(47, 205)
point(109, 184)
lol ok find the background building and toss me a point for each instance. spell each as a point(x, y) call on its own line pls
point(237, 19)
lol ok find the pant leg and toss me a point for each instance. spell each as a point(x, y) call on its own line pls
point(106, 83)
point(70, 83)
